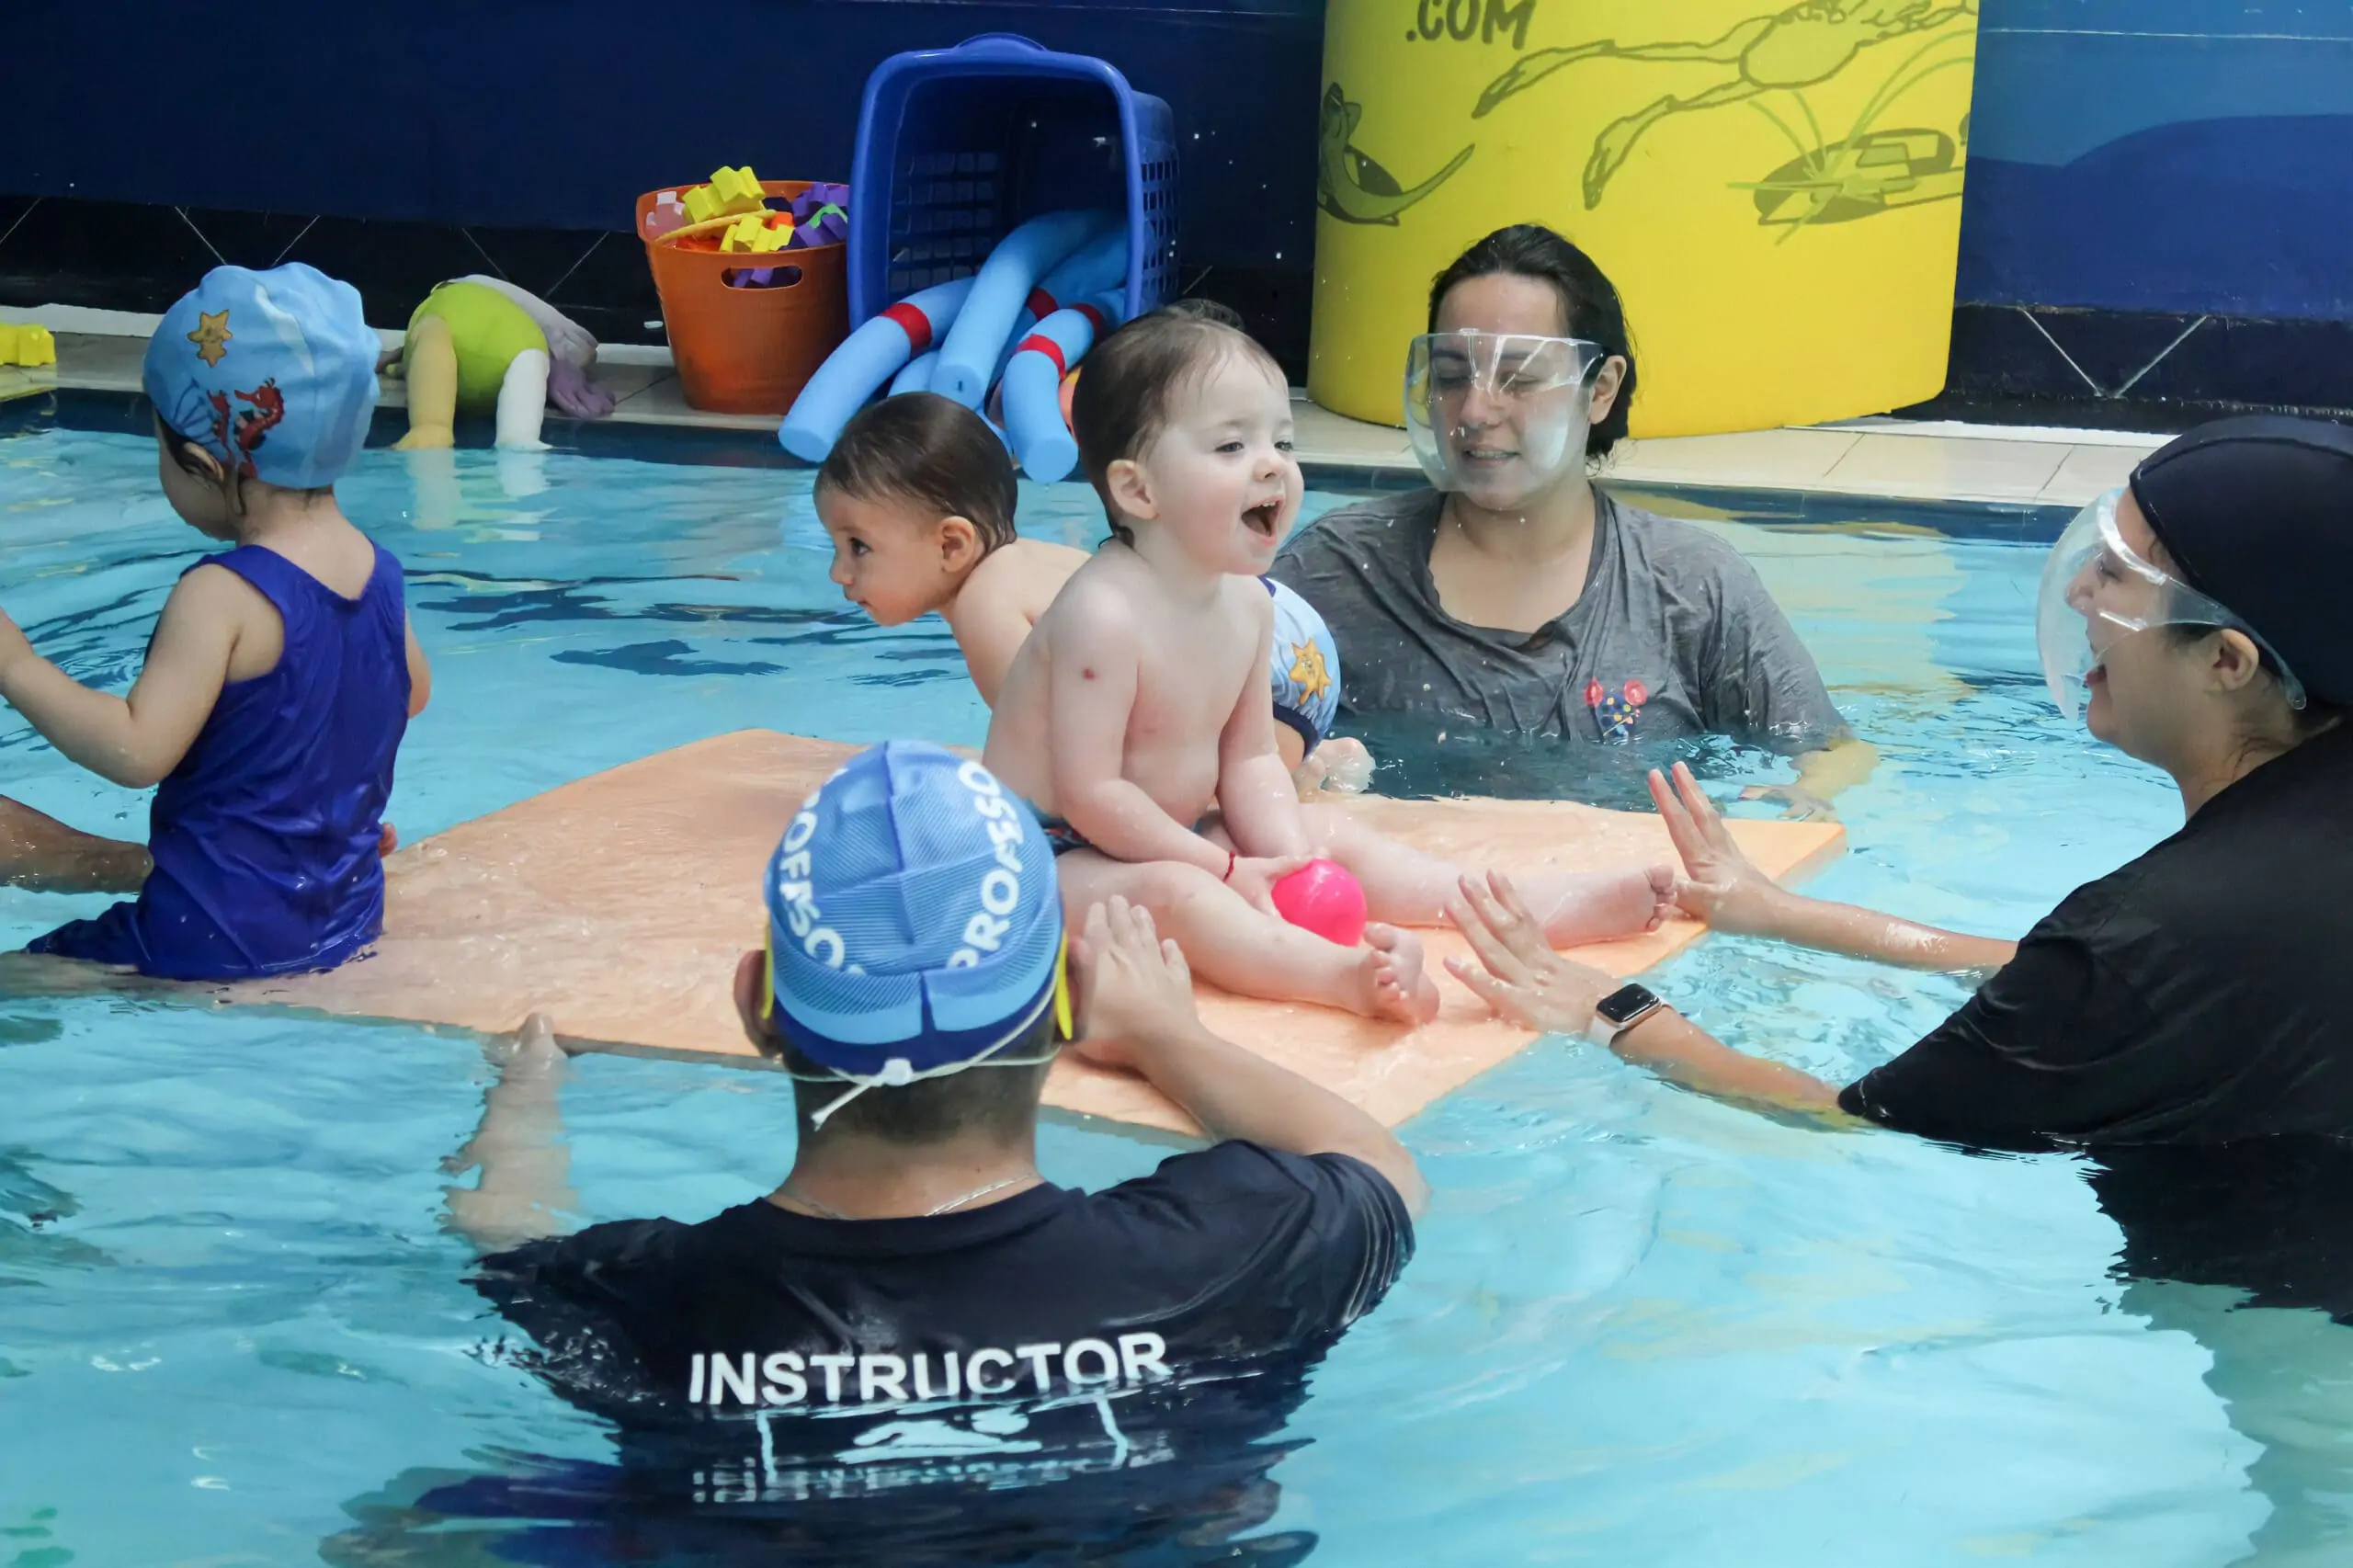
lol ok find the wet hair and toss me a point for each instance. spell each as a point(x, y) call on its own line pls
point(930, 451)
point(1128, 382)
point(1590, 307)
point(999, 1101)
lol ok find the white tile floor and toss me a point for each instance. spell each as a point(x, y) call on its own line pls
point(1873, 457)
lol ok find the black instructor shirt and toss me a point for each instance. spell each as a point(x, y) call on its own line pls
point(1051, 1295)
point(2201, 995)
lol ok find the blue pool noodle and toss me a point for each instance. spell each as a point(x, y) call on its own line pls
point(1042, 443)
point(969, 357)
point(867, 358)
point(1101, 263)
point(916, 377)
point(1093, 267)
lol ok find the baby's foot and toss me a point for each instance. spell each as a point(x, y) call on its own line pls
point(1596, 908)
point(1394, 984)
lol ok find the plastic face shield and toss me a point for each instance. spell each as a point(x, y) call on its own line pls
point(1496, 418)
point(2097, 591)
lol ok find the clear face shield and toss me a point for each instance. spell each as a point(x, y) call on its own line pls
point(1498, 419)
point(2097, 591)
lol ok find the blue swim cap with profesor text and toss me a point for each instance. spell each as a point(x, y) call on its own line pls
point(914, 915)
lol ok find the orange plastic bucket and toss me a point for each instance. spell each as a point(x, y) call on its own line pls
point(748, 351)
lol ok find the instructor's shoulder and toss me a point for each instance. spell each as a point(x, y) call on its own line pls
point(1684, 551)
point(1259, 1188)
point(1359, 526)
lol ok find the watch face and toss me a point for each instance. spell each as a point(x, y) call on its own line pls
point(1625, 1003)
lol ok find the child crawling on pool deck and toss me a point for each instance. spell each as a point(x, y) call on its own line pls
point(282, 672)
point(917, 496)
point(1136, 708)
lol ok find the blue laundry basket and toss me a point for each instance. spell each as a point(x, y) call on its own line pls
point(957, 146)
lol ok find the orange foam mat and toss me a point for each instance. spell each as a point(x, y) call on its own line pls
point(619, 904)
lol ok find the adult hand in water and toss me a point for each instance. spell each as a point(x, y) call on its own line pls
point(1133, 984)
point(1519, 974)
point(1719, 885)
point(1801, 804)
point(526, 1162)
point(1722, 887)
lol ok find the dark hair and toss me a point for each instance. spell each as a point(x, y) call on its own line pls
point(1590, 305)
point(1129, 380)
point(184, 449)
point(925, 448)
point(1000, 1101)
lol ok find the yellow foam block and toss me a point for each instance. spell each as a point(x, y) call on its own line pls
point(756, 231)
point(25, 344)
point(620, 904)
point(730, 191)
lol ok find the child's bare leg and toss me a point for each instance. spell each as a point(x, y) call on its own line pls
point(1402, 884)
point(1244, 950)
point(39, 852)
point(431, 362)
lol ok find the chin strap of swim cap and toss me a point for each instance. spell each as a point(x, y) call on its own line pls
point(897, 1073)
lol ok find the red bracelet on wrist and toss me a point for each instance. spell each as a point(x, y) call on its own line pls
point(1228, 878)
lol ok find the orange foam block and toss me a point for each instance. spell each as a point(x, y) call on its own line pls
point(619, 904)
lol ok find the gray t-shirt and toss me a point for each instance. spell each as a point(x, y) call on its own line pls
point(1674, 638)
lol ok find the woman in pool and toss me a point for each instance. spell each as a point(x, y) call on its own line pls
point(2199, 995)
point(1515, 595)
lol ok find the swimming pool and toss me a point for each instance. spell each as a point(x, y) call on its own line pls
point(1641, 1328)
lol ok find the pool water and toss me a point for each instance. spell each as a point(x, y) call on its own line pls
point(1641, 1328)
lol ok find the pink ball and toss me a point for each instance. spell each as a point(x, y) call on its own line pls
point(1323, 897)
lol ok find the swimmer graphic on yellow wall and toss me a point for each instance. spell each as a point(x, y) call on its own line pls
point(1800, 46)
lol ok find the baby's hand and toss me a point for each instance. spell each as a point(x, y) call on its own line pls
point(1254, 878)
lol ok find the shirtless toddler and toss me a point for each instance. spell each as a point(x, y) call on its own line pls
point(917, 496)
point(1136, 721)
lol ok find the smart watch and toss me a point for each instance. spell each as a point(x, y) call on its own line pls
point(1620, 1011)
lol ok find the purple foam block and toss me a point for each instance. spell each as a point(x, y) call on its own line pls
point(822, 194)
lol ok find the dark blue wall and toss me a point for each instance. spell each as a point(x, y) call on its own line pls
point(2185, 156)
point(558, 113)
point(2189, 156)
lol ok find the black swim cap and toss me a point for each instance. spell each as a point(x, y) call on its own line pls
point(2259, 512)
